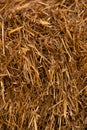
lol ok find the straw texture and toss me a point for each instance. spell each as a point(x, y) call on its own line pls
point(43, 65)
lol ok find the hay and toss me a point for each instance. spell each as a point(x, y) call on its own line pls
point(43, 65)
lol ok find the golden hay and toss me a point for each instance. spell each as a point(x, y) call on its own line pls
point(43, 65)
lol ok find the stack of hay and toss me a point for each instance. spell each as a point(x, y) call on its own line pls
point(43, 64)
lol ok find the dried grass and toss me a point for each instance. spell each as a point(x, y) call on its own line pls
point(43, 64)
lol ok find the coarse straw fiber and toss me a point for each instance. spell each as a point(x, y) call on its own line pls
point(43, 64)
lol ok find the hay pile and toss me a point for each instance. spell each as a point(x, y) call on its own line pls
point(43, 64)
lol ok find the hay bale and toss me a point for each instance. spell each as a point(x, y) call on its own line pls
point(43, 65)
